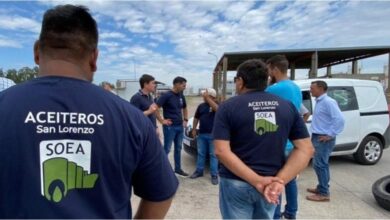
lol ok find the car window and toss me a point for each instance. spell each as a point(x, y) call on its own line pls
point(345, 97)
point(306, 101)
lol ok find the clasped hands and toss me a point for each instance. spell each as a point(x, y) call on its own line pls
point(271, 187)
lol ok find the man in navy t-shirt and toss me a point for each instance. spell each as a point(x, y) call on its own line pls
point(175, 119)
point(250, 133)
point(68, 148)
point(205, 114)
point(143, 99)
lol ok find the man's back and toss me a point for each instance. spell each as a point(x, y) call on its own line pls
point(259, 131)
point(70, 150)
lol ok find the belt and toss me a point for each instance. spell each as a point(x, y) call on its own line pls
point(319, 134)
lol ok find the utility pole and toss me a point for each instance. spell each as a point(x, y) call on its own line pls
point(216, 57)
point(135, 72)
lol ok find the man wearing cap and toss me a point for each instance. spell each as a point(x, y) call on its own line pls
point(205, 116)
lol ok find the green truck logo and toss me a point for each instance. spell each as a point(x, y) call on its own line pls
point(61, 175)
point(263, 126)
point(265, 122)
point(65, 166)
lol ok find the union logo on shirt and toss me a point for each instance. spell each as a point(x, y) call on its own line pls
point(265, 122)
point(65, 166)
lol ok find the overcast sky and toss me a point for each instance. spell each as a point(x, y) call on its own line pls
point(171, 38)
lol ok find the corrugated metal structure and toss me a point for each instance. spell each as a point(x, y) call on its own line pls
point(312, 59)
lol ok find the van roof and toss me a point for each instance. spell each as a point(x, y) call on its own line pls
point(339, 82)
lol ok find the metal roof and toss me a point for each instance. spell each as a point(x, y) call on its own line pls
point(303, 57)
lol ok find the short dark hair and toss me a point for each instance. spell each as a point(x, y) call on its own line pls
point(68, 31)
point(179, 79)
point(146, 78)
point(321, 84)
point(254, 74)
point(279, 61)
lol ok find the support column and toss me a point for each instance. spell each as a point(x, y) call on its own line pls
point(215, 77)
point(292, 71)
point(224, 72)
point(388, 76)
point(314, 65)
point(218, 82)
point(354, 67)
point(329, 71)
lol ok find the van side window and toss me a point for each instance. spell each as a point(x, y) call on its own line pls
point(306, 101)
point(345, 97)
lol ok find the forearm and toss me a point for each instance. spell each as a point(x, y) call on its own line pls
point(297, 160)
point(147, 112)
point(195, 123)
point(212, 103)
point(159, 117)
point(306, 117)
point(152, 210)
point(337, 126)
point(185, 113)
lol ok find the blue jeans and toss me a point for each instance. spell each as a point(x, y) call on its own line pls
point(291, 207)
point(321, 163)
point(239, 200)
point(174, 134)
point(205, 145)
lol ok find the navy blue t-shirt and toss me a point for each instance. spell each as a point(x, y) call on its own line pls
point(172, 104)
point(258, 124)
point(69, 149)
point(143, 102)
point(205, 114)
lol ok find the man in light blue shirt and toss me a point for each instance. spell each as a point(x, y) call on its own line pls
point(288, 90)
point(327, 123)
point(5, 83)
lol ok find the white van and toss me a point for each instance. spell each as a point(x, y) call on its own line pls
point(363, 103)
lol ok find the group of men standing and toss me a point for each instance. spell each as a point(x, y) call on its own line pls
point(175, 118)
point(71, 150)
point(175, 114)
point(236, 145)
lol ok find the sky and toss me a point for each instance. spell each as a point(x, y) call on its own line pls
point(185, 38)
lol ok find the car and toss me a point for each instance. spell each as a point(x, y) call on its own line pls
point(363, 104)
point(189, 142)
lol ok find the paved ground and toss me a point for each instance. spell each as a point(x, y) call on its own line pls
point(351, 196)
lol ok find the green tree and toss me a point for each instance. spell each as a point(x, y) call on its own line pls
point(21, 75)
point(13, 75)
point(26, 74)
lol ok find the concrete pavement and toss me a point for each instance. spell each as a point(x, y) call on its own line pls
point(351, 196)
